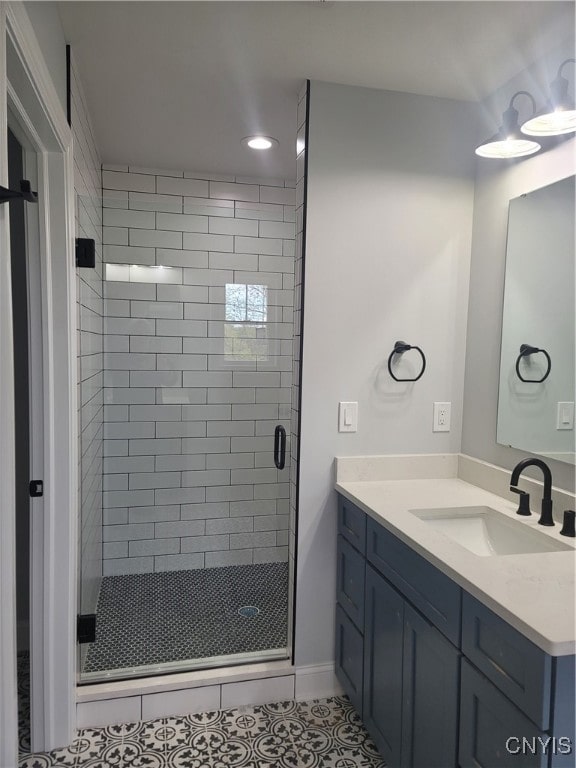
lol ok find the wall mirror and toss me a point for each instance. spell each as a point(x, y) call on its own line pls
point(537, 376)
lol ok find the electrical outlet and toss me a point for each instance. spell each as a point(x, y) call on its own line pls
point(442, 413)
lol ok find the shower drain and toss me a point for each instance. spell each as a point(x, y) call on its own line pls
point(249, 611)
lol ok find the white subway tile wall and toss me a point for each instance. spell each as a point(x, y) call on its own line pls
point(87, 184)
point(196, 375)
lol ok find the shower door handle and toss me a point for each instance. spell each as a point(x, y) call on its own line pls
point(280, 447)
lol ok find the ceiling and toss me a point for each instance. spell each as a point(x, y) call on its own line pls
point(177, 85)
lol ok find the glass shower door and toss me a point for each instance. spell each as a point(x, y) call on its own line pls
point(197, 374)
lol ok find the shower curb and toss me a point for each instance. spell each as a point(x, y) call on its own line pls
point(104, 704)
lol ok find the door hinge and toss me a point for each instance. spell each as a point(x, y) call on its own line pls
point(85, 252)
point(36, 488)
point(86, 628)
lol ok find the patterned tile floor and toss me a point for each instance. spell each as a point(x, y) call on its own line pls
point(23, 701)
point(153, 618)
point(314, 734)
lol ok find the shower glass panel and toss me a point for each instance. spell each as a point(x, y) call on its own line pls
point(198, 286)
point(90, 324)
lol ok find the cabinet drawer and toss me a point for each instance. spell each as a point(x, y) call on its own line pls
point(350, 582)
point(516, 666)
point(349, 658)
point(489, 722)
point(352, 524)
point(429, 590)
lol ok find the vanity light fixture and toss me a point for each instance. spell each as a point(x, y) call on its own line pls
point(509, 141)
point(260, 142)
point(558, 116)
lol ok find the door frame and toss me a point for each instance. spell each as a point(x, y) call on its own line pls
point(35, 425)
point(27, 92)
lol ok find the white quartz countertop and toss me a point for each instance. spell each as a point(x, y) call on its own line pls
point(535, 593)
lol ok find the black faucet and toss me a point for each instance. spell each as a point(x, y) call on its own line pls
point(546, 516)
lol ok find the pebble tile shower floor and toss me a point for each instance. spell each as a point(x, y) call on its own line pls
point(154, 618)
point(314, 734)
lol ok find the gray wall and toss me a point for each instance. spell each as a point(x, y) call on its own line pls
point(45, 19)
point(390, 195)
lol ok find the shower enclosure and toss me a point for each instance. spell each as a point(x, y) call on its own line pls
point(186, 384)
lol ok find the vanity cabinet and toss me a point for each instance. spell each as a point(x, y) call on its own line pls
point(439, 680)
point(398, 669)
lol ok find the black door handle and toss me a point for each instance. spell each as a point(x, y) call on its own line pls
point(280, 447)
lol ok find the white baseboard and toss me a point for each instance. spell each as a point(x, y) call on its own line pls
point(316, 682)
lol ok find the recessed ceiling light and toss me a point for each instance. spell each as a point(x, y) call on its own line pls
point(260, 142)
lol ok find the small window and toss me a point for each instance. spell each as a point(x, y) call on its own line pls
point(245, 330)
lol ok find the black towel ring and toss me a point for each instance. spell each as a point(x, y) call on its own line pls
point(525, 351)
point(399, 348)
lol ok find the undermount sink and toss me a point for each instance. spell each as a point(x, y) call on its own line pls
point(486, 532)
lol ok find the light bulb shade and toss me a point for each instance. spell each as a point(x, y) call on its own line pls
point(501, 146)
point(509, 141)
point(551, 122)
point(559, 114)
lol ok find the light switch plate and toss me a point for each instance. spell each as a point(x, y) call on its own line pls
point(348, 417)
point(565, 416)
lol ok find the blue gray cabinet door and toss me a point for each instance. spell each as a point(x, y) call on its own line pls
point(431, 669)
point(349, 658)
point(493, 731)
point(350, 582)
point(383, 650)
